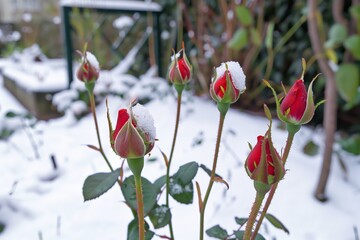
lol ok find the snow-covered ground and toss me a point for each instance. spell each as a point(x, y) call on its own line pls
point(38, 202)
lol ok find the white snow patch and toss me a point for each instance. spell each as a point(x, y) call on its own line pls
point(123, 22)
point(144, 120)
point(237, 74)
point(92, 60)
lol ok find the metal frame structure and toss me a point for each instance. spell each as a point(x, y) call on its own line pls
point(108, 6)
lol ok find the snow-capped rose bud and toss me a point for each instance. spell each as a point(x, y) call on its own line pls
point(228, 82)
point(180, 70)
point(89, 69)
point(264, 164)
point(134, 134)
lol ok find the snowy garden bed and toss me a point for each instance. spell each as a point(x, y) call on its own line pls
point(33, 80)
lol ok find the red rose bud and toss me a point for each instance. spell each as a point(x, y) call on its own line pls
point(297, 108)
point(134, 134)
point(180, 70)
point(294, 104)
point(227, 83)
point(89, 68)
point(264, 164)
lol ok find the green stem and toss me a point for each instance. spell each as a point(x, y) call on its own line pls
point(140, 207)
point(252, 217)
point(136, 166)
point(93, 110)
point(212, 177)
point(285, 38)
point(273, 188)
point(170, 158)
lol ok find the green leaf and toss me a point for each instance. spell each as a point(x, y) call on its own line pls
point(337, 33)
point(311, 148)
point(149, 190)
point(133, 231)
point(2, 227)
point(351, 144)
point(182, 193)
point(160, 216)
point(217, 232)
point(244, 15)
point(11, 114)
point(255, 37)
point(186, 173)
point(347, 80)
point(99, 183)
point(208, 171)
point(276, 222)
point(241, 221)
point(353, 45)
point(240, 235)
point(269, 36)
point(239, 40)
point(355, 11)
point(160, 182)
point(152, 159)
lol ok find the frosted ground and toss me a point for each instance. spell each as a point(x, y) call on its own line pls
point(38, 202)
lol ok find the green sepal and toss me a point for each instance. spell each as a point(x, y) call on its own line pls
point(277, 161)
point(309, 109)
point(281, 116)
point(262, 188)
point(90, 85)
point(179, 87)
point(111, 130)
point(136, 165)
point(223, 108)
point(292, 128)
point(310, 106)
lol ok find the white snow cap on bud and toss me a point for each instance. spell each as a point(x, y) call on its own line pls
point(237, 74)
point(144, 121)
point(92, 60)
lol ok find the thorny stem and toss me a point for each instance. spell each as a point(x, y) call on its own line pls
point(170, 158)
point(93, 110)
point(273, 188)
point(140, 206)
point(252, 217)
point(212, 177)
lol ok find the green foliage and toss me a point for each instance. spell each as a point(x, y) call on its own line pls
point(244, 15)
point(160, 216)
point(351, 144)
point(337, 35)
point(241, 221)
point(181, 186)
point(160, 182)
point(239, 40)
point(149, 190)
point(353, 45)
point(347, 82)
point(182, 193)
point(2, 227)
point(133, 231)
point(276, 222)
point(186, 173)
point(311, 148)
point(6, 130)
point(217, 232)
point(99, 183)
point(240, 234)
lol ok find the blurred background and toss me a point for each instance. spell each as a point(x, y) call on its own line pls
point(268, 39)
